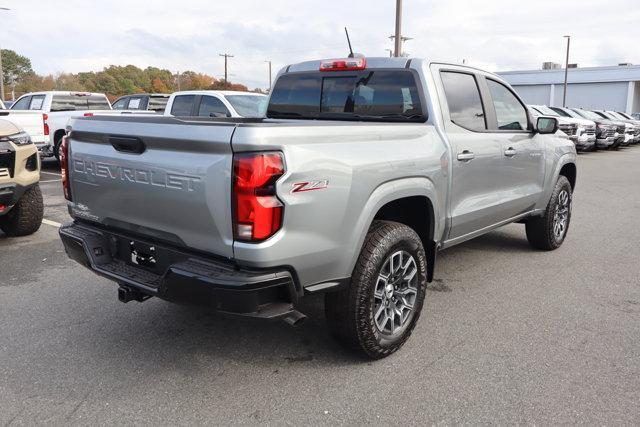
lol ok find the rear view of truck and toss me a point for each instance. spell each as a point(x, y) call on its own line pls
point(154, 212)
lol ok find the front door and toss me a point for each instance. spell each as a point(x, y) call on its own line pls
point(521, 180)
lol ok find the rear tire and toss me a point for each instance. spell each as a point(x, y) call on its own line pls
point(547, 232)
point(26, 216)
point(377, 313)
point(56, 149)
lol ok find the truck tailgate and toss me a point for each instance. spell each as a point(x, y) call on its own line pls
point(158, 177)
point(30, 121)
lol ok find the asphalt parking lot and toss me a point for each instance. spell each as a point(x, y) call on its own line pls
point(508, 335)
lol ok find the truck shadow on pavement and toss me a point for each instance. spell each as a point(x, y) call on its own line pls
point(163, 334)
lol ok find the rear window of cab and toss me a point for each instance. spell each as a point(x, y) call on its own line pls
point(383, 95)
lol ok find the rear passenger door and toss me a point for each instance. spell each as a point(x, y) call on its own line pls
point(477, 158)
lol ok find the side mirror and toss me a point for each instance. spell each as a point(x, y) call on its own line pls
point(546, 125)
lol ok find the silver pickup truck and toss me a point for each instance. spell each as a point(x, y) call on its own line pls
point(362, 171)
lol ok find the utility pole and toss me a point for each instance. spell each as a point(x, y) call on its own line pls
point(1, 70)
point(566, 73)
point(178, 80)
point(398, 36)
point(226, 56)
point(269, 62)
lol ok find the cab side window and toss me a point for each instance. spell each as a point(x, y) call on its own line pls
point(463, 98)
point(120, 104)
point(22, 104)
point(510, 112)
point(182, 105)
point(211, 106)
point(36, 102)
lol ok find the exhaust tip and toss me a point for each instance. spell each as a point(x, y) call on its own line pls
point(294, 318)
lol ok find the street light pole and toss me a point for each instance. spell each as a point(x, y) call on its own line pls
point(1, 70)
point(566, 73)
point(398, 35)
point(269, 62)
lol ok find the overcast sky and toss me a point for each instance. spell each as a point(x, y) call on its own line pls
point(83, 35)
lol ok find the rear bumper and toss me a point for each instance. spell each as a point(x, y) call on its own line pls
point(182, 276)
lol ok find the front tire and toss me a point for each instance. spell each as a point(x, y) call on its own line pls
point(26, 216)
point(377, 313)
point(549, 231)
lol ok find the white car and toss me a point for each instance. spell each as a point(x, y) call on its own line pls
point(216, 103)
point(581, 131)
point(32, 122)
point(58, 107)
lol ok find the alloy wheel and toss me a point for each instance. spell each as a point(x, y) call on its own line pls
point(395, 292)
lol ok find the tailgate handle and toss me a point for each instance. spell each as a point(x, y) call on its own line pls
point(127, 144)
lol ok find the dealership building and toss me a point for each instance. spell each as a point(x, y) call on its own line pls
point(596, 88)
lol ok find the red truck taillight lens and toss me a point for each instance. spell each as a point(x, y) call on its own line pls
point(257, 210)
point(45, 124)
point(64, 167)
point(346, 64)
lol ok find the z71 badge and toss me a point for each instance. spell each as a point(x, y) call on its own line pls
point(300, 187)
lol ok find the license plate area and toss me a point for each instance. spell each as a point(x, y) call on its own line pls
point(142, 255)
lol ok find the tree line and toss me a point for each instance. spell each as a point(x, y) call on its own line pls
point(114, 80)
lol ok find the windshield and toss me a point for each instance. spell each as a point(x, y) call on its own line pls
point(562, 112)
point(248, 105)
point(546, 110)
point(605, 115)
point(616, 115)
point(626, 116)
point(380, 95)
point(589, 114)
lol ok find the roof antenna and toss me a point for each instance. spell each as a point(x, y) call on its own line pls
point(351, 55)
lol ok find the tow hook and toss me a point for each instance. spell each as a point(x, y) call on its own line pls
point(126, 294)
point(294, 318)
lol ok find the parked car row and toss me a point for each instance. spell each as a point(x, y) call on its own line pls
point(45, 115)
point(592, 129)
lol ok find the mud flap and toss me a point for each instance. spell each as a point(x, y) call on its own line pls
point(432, 250)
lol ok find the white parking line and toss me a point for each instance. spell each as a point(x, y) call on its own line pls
point(51, 173)
point(51, 180)
point(51, 223)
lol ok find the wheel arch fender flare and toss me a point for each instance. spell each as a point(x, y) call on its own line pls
point(562, 160)
point(565, 159)
point(388, 192)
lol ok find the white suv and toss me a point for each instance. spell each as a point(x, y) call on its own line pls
point(216, 103)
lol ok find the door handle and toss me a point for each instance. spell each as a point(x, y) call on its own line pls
point(510, 152)
point(466, 156)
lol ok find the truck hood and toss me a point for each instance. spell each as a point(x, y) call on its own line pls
point(579, 122)
point(8, 128)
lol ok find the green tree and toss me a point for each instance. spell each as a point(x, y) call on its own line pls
point(15, 66)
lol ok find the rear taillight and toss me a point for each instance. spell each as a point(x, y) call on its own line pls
point(64, 167)
point(257, 210)
point(45, 117)
point(88, 114)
